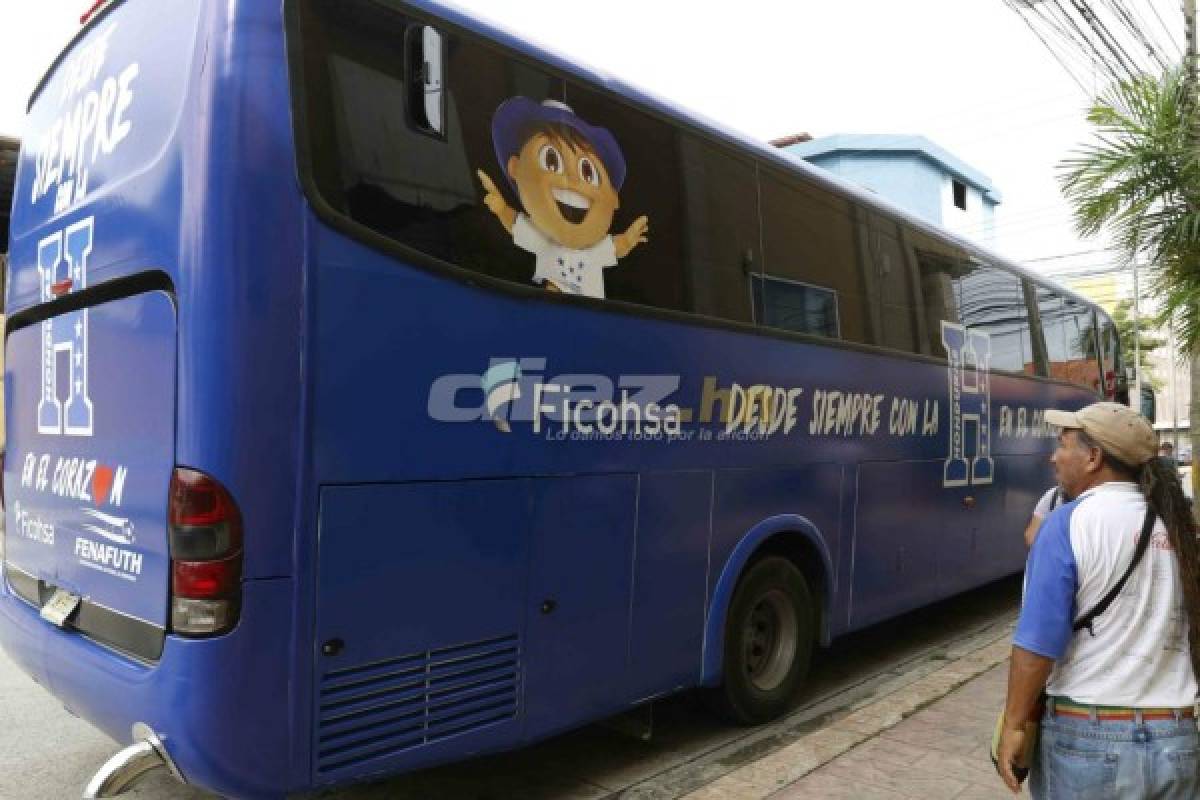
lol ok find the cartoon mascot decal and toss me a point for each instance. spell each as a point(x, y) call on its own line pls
point(568, 175)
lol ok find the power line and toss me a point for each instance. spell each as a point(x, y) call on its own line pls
point(1067, 255)
point(1086, 43)
point(1124, 16)
point(1106, 38)
point(1050, 48)
point(1170, 35)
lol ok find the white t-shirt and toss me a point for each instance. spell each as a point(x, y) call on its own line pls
point(1048, 502)
point(573, 271)
point(1139, 655)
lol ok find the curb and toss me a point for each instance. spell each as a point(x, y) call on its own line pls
point(772, 773)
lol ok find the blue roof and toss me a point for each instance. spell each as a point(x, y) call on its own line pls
point(892, 143)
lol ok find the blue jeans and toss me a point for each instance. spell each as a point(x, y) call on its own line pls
point(1082, 758)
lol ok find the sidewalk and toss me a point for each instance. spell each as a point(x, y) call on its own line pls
point(928, 741)
point(939, 753)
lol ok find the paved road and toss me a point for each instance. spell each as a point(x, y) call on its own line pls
point(46, 754)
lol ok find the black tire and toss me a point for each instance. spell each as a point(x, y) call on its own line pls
point(770, 632)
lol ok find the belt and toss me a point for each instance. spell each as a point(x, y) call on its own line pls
point(1065, 708)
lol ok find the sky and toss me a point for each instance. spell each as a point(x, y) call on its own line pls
point(968, 74)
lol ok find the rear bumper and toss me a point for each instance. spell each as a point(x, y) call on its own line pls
point(219, 705)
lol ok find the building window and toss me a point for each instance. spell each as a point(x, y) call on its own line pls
point(960, 194)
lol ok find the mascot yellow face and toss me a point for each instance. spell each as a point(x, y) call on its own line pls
point(564, 186)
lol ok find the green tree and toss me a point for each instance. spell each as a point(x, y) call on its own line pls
point(1138, 179)
point(1146, 338)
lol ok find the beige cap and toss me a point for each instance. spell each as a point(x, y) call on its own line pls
point(1122, 432)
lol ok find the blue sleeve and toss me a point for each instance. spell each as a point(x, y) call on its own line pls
point(1051, 579)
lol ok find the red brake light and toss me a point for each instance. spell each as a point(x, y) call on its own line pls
point(204, 521)
point(205, 528)
point(206, 580)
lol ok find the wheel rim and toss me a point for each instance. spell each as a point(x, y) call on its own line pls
point(770, 637)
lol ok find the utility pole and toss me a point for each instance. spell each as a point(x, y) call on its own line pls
point(1137, 341)
point(1174, 388)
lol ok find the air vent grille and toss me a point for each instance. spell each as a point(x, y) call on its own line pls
point(385, 707)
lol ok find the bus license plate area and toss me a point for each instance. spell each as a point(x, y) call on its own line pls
point(60, 607)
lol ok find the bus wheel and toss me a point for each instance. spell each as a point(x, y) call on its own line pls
point(769, 637)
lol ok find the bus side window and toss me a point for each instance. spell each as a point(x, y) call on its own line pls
point(1064, 321)
point(893, 280)
point(652, 272)
point(813, 280)
point(1083, 344)
point(795, 306)
point(938, 265)
point(992, 301)
point(720, 195)
point(397, 143)
point(1108, 354)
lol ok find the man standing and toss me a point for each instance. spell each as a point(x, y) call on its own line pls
point(1119, 715)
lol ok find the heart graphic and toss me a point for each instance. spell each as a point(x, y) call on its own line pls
point(101, 483)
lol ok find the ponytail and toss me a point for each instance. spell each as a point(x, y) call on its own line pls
point(1159, 482)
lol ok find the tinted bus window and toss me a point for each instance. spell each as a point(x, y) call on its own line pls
point(1109, 346)
point(720, 196)
point(893, 282)
point(795, 306)
point(649, 212)
point(992, 302)
point(1070, 345)
point(512, 174)
point(808, 238)
point(939, 266)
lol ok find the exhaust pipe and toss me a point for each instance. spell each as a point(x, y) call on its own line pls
point(126, 768)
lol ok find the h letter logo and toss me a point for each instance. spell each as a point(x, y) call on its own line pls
point(969, 354)
point(62, 267)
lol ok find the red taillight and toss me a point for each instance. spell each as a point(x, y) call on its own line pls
point(205, 529)
point(206, 580)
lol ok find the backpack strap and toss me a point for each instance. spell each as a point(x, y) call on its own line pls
point(1143, 544)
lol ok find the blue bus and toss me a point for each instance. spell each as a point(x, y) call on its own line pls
point(384, 390)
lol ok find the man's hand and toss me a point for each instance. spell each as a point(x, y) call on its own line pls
point(496, 202)
point(1012, 745)
point(624, 242)
point(1027, 674)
